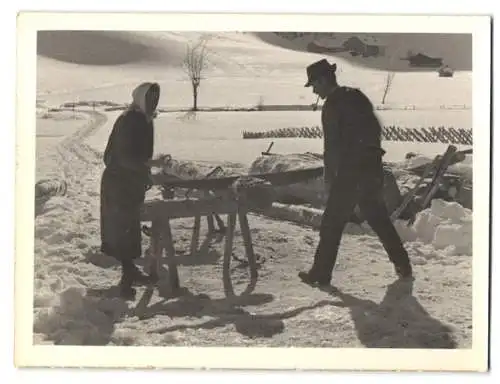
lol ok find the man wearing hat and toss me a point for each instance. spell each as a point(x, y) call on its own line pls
point(353, 173)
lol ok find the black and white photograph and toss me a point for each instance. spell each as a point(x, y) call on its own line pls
point(202, 183)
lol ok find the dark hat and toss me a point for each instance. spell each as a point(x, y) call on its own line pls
point(318, 69)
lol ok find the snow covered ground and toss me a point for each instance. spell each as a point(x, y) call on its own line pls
point(74, 298)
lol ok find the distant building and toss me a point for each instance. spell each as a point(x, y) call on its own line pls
point(421, 60)
point(324, 42)
point(445, 71)
point(356, 46)
point(314, 47)
point(364, 47)
point(296, 35)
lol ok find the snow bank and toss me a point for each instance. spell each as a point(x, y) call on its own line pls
point(64, 312)
point(445, 225)
point(75, 319)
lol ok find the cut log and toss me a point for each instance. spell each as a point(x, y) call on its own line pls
point(47, 188)
point(185, 169)
point(312, 191)
point(277, 179)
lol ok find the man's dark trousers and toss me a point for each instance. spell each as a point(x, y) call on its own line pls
point(363, 184)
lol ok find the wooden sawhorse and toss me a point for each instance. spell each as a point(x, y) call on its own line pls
point(160, 212)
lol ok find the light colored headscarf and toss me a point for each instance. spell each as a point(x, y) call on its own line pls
point(145, 98)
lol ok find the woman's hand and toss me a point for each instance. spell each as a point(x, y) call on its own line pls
point(148, 184)
point(160, 160)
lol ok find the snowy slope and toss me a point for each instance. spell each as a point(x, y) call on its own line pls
point(243, 69)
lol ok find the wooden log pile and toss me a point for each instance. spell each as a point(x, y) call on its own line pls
point(456, 183)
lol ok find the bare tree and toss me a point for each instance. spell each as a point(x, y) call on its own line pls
point(388, 83)
point(194, 64)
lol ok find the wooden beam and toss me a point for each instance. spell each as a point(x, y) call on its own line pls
point(210, 224)
point(174, 209)
point(195, 240)
point(155, 253)
point(247, 242)
point(173, 274)
point(228, 253)
point(275, 178)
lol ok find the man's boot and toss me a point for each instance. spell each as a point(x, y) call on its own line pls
point(311, 279)
point(131, 275)
point(314, 277)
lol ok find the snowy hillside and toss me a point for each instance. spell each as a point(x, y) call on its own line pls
point(244, 69)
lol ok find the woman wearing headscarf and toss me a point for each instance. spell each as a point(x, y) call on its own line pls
point(125, 181)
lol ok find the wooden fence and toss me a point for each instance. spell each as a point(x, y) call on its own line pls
point(445, 135)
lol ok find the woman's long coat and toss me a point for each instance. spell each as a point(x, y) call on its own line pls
point(126, 176)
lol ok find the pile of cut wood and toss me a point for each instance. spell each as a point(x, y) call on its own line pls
point(409, 186)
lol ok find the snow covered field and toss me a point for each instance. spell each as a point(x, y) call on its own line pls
point(74, 298)
point(217, 136)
